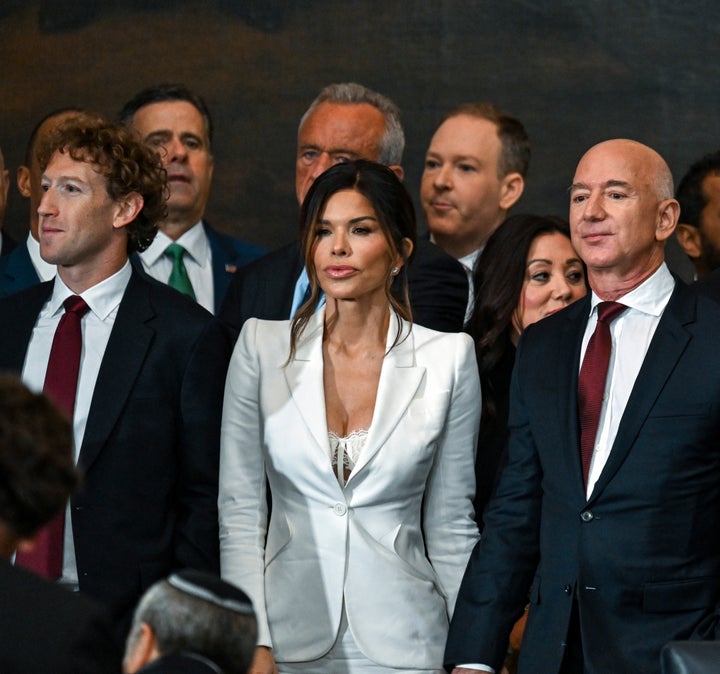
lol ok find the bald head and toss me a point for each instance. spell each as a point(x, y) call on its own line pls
point(621, 213)
point(646, 162)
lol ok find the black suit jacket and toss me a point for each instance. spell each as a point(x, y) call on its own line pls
point(709, 285)
point(228, 254)
point(17, 271)
point(180, 663)
point(8, 244)
point(45, 628)
point(148, 503)
point(437, 283)
point(641, 557)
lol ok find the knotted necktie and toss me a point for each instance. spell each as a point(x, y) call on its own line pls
point(179, 278)
point(591, 382)
point(61, 381)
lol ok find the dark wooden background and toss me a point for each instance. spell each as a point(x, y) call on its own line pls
point(575, 72)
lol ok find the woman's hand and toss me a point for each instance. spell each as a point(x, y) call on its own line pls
point(263, 662)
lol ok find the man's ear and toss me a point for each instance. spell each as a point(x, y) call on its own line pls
point(689, 239)
point(511, 190)
point(23, 180)
point(398, 171)
point(128, 208)
point(668, 216)
point(142, 649)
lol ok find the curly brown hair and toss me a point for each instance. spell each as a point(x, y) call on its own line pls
point(126, 163)
point(37, 470)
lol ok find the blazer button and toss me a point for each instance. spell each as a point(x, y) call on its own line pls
point(587, 516)
point(567, 589)
point(339, 509)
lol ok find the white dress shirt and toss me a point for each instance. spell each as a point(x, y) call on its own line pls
point(103, 300)
point(44, 270)
point(197, 260)
point(631, 334)
point(468, 263)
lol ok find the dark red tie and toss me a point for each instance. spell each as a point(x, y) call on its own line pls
point(61, 378)
point(591, 382)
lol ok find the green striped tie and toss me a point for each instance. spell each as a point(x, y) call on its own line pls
point(179, 278)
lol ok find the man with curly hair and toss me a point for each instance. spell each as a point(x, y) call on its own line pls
point(149, 365)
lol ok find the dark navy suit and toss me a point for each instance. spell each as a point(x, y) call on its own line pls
point(639, 559)
point(17, 271)
point(148, 502)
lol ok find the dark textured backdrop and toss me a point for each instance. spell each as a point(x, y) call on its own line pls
point(575, 72)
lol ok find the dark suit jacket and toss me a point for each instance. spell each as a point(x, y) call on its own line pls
point(264, 289)
point(8, 244)
point(641, 557)
point(709, 285)
point(228, 254)
point(17, 271)
point(179, 663)
point(148, 503)
point(45, 628)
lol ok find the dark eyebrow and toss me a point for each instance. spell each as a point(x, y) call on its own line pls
point(160, 134)
point(353, 221)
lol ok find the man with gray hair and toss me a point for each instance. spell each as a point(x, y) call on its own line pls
point(192, 622)
point(345, 122)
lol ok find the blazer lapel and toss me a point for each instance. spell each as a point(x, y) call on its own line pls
point(125, 353)
point(304, 378)
point(567, 404)
point(400, 378)
point(666, 347)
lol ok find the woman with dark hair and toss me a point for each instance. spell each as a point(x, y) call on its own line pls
point(363, 427)
point(528, 270)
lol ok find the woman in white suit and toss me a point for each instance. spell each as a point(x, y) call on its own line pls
point(363, 427)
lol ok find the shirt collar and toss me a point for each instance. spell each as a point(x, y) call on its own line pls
point(44, 270)
point(468, 261)
point(103, 298)
point(194, 241)
point(650, 297)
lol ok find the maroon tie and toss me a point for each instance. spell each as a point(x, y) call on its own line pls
point(61, 378)
point(591, 382)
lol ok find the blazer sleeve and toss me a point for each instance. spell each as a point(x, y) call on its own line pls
point(494, 588)
point(242, 503)
point(196, 534)
point(449, 525)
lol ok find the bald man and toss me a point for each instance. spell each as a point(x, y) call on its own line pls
point(607, 514)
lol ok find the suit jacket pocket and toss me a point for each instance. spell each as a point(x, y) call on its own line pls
point(680, 595)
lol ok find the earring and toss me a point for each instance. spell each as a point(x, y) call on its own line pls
point(395, 271)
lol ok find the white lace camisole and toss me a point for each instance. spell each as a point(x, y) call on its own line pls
point(345, 451)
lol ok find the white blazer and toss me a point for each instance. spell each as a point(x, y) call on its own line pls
point(394, 543)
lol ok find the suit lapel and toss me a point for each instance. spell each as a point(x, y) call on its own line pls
point(220, 258)
point(570, 343)
point(304, 378)
point(400, 378)
point(126, 350)
point(667, 345)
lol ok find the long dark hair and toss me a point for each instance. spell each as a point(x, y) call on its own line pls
point(498, 281)
point(392, 205)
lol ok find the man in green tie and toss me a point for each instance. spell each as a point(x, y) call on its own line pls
point(187, 253)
